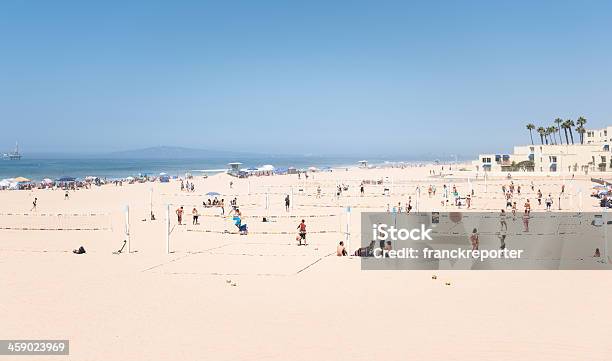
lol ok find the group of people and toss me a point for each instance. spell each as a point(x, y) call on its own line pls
point(510, 191)
point(399, 209)
point(206, 204)
point(186, 186)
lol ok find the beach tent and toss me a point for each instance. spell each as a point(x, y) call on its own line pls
point(280, 170)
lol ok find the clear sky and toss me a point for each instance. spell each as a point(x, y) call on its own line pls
point(299, 77)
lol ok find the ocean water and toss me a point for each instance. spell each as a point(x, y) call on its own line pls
point(38, 169)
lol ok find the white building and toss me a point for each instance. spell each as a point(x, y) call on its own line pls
point(593, 155)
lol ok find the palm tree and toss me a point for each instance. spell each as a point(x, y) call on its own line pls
point(530, 127)
point(581, 121)
point(566, 125)
point(581, 130)
point(570, 124)
point(551, 132)
point(542, 131)
point(557, 130)
point(558, 121)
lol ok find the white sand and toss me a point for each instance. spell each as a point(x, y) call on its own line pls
point(149, 305)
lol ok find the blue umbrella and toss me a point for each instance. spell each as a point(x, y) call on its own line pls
point(251, 169)
point(66, 179)
point(213, 194)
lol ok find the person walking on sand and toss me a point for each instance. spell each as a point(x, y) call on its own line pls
point(527, 207)
point(502, 220)
point(287, 203)
point(474, 239)
point(179, 215)
point(526, 221)
point(468, 200)
point(66, 195)
point(502, 239)
point(302, 232)
point(539, 197)
point(34, 204)
point(361, 189)
point(195, 215)
point(548, 202)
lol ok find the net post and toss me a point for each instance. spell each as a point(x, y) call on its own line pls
point(348, 229)
point(605, 245)
point(167, 229)
point(127, 228)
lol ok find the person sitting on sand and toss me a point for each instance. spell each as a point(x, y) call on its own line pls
point(365, 251)
point(341, 250)
point(597, 253)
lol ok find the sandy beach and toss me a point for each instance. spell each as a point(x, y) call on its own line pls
point(223, 296)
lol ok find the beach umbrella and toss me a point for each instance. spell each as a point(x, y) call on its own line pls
point(47, 181)
point(600, 187)
point(163, 173)
point(267, 168)
point(312, 169)
point(5, 183)
point(21, 180)
point(251, 169)
point(130, 178)
point(213, 194)
point(67, 179)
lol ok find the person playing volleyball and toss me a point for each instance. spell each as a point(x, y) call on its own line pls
point(302, 233)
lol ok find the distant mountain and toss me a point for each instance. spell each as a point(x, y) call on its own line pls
point(168, 152)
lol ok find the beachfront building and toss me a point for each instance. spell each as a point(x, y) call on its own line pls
point(593, 155)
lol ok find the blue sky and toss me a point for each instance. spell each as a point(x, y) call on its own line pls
point(317, 77)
